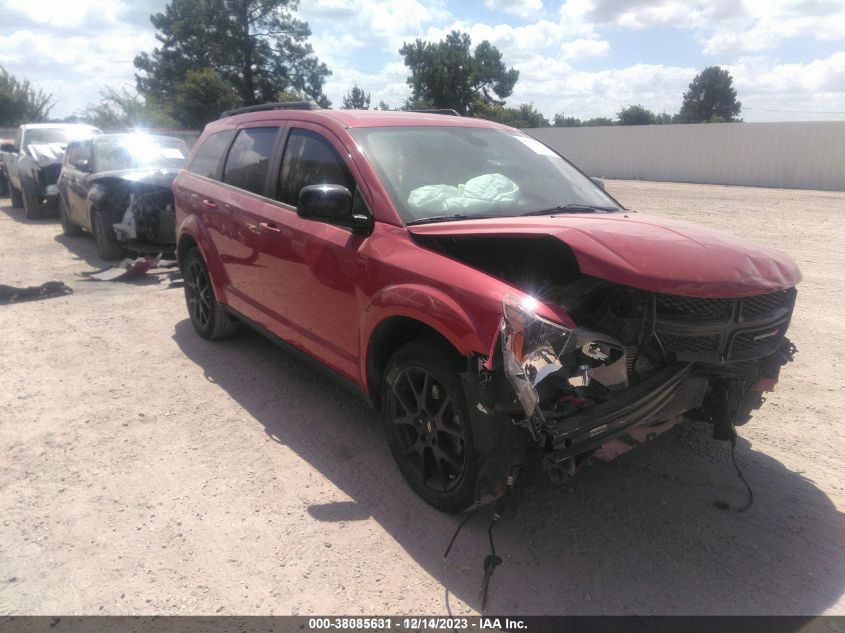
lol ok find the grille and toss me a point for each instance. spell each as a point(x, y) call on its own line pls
point(765, 337)
point(50, 174)
point(694, 308)
point(701, 343)
point(761, 304)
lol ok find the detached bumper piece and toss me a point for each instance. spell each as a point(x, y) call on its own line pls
point(668, 393)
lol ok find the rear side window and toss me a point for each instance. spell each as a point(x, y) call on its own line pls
point(249, 158)
point(310, 160)
point(207, 160)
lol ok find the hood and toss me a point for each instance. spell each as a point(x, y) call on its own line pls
point(47, 153)
point(157, 177)
point(647, 252)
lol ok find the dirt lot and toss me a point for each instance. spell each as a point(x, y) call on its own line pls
point(144, 470)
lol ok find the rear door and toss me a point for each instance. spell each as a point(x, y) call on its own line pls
point(238, 209)
point(310, 269)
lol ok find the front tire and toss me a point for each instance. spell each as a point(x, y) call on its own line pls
point(208, 317)
point(108, 247)
point(14, 194)
point(427, 424)
point(31, 208)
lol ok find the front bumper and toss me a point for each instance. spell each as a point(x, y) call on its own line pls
point(670, 392)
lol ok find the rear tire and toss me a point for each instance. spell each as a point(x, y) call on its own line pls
point(208, 317)
point(68, 227)
point(108, 247)
point(428, 425)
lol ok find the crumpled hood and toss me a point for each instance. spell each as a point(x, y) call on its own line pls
point(647, 252)
point(47, 153)
point(158, 177)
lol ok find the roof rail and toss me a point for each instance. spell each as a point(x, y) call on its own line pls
point(284, 105)
point(446, 111)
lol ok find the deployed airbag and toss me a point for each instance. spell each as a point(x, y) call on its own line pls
point(478, 194)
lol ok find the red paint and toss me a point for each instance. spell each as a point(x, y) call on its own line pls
point(326, 290)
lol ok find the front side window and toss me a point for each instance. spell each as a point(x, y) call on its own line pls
point(206, 161)
point(310, 160)
point(436, 173)
point(249, 158)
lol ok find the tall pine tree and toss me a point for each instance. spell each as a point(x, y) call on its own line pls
point(255, 46)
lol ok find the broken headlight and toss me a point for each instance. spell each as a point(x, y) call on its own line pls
point(534, 349)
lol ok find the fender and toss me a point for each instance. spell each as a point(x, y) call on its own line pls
point(192, 228)
point(428, 305)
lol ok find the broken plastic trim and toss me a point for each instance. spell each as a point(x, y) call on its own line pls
point(534, 348)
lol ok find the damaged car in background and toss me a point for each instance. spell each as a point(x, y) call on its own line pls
point(117, 186)
point(33, 160)
point(493, 301)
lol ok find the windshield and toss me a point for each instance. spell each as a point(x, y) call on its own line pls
point(139, 151)
point(61, 135)
point(436, 173)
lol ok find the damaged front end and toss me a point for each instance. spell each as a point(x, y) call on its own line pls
point(140, 206)
point(585, 393)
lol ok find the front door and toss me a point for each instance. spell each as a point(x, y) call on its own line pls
point(311, 269)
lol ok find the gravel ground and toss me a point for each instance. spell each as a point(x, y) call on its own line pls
point(144, 470)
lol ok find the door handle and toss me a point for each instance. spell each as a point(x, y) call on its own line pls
point(270, 228)
point(209, 203)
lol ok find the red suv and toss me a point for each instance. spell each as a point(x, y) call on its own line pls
point(476, 287)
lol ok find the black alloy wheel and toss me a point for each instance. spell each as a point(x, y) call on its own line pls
point(427, 425)
point(207, 316)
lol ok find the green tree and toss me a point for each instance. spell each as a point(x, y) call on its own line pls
point(202, 96)
point(383, 106)
point(523, 115)
point(561, 120)
point(448, 75)
point(256, 46)
point(599, 121)
point(711, 94)
point(20, 102)
point(664, 118)
point(635, 115)
point(122, 110)
point(356, 99)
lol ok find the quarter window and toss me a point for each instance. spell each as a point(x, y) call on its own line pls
point(206, 161)
point(310, 160)
point(249, 158)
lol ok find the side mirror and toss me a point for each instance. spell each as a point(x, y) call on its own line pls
point(9, 147)
point(331, 204)
point(599, 182)
point(83, 165)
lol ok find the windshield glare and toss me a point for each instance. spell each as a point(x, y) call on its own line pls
point(138, 151)
point(60, 135)
point(473, 172)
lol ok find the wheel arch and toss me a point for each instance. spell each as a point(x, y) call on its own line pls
point(402, 314)
point(192, 235)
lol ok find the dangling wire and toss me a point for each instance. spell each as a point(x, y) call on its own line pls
point(491, 561)
point(724, 505)
point(458, 531)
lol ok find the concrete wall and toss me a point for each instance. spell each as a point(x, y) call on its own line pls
point(800, 155)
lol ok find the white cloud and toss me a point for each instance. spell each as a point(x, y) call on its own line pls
point(581, 48)
point(522, 8)
point(764, 25)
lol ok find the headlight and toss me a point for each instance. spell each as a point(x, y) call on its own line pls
point(535, 349)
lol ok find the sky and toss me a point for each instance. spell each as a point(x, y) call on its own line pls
point(583, 58)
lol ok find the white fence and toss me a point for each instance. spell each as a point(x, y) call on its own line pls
point(800, 155)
